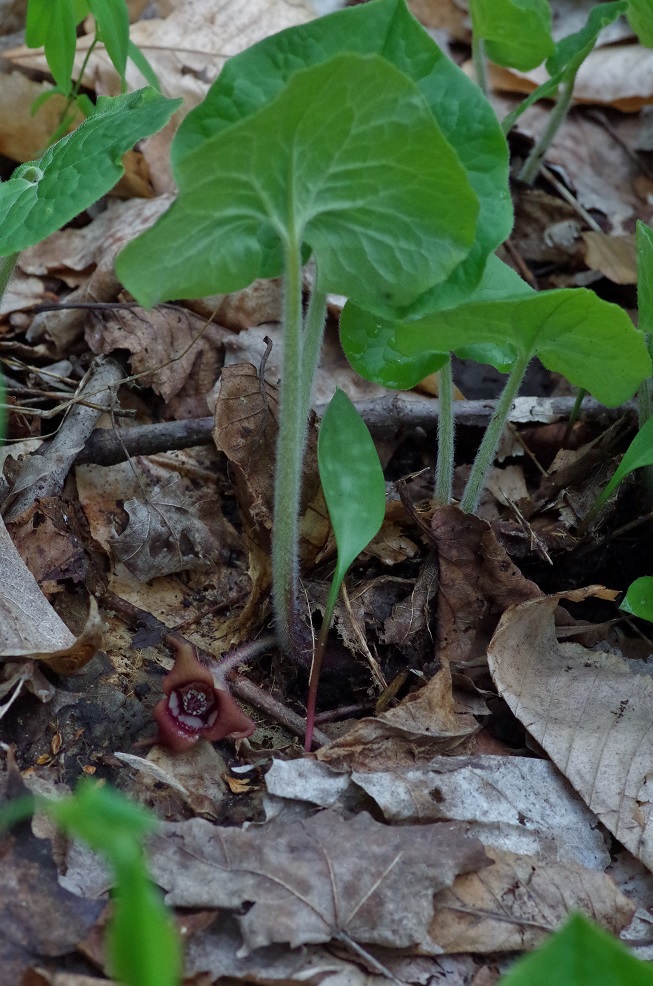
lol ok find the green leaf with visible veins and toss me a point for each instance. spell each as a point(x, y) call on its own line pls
point(572, 331)
point(370, 342)
point(252, 79)
point(517, 33)
point(43, 195)
point(346, 159)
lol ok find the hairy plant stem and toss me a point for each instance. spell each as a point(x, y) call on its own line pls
point(531, 166)
point(318, 657)
point(480, 63)
point(7, 265)
point(445, 458)
point(290, 454)
point(490, 443)
point(313, 335)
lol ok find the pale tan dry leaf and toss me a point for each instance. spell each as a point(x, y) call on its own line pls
point(477, 582)
point(614, 256)
point(23, 292)
point(24, 137)
point(589, 710)
point(444, 15)
point(178, 353)
point(51, 543)
point(316, 879)
point(422, 726)
point(256, 304)
point(194, 774)
point(514, 904)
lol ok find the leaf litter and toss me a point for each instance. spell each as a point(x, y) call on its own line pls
point(465, 852)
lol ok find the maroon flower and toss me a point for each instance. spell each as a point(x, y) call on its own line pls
point(194, 707)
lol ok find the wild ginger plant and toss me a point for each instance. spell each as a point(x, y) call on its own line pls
point(330, 140)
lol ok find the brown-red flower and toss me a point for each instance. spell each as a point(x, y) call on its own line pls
point(194, 707)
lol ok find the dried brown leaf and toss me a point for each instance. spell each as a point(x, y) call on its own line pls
point(318, 879)
point(590, 711)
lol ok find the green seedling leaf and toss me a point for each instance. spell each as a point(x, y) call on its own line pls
point(638, 454)
point(580, 954)
point(644, 243)
point(569, 54)
point(572, 331)
point(112, 19)
point(517, 33)
point(370, 343)
point(352, 481)
point(348, 160)
point(254, 78)
point(143, 944)
point(639, 598)
point(51, 25)
point(143, 66)
point(354, 490)
point(72, 174)
point(640, 16)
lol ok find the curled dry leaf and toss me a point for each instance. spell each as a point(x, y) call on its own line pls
point(590, 711)
point(317, 879)
point(478, 581)
point(423, 725)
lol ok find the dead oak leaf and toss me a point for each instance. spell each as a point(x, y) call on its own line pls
point(313, 880)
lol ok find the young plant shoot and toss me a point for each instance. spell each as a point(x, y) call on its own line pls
point(342, 156)
point(354, 490)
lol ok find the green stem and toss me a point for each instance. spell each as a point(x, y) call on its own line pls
point(445, 458)
point(645, 392)
point(488, 447)
point(532, 164)
point(318, 657)
point(313, 335)
point(290, 453)
point(480, 63)
point(7, 265)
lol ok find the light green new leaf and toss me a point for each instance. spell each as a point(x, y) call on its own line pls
point(591, 342)
point(638, 454)
point(352, 481)
point(370, 342)
point(639, 598)
point(570, 53)
point(112, 18)
point(348, 160)
point(252, 79)
point(72, 174)
point(517, 33)
point(580, 954)
point(51, 24)
point(640, 15)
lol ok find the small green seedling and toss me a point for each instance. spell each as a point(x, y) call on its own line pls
point(639, 599)
point(515, 33)
point(71, 175)
point(354, 490)
point(53, 26)
point(331, 140)
point(580, 954)
point(644, 245)
point(142, 941)
point(572, 331)
point(638, 455)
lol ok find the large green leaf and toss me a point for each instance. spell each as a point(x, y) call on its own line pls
point(252, 79)
point(580, 954)
point(517, 33)
point(370, 342)
point(346, 159)
point(72, 174)
point(51, 24)
point(640, 15)
point(593, 343)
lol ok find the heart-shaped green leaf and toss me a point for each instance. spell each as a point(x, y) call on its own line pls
point(72, 174)
point(639, 598)
point(590, 341)
point(580, 954)
point(370, 342)
point(348, 160)
point(517, 33)
point(255, 77)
